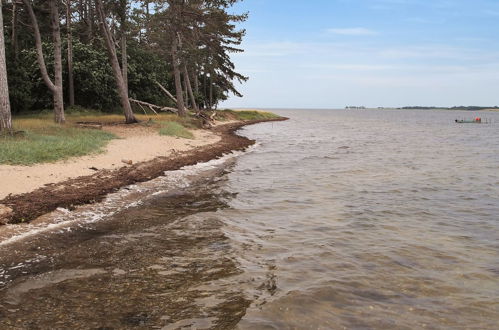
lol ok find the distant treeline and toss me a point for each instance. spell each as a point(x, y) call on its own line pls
point(470, 108)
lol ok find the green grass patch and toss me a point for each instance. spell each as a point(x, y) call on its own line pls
point(245, 115)
point(42, 144)
point(172, 128)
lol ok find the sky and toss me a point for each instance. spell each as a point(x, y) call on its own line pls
point(391, 53)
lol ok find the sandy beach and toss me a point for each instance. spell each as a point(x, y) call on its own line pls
point(135, 144)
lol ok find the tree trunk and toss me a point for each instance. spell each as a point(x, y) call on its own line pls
point(178, 79)
point(5, 114)
point(166, 92)
point(189, 89)
point(186, 94)
point(90, 20)
point(205, 89)
point(196, 83)
point(124, 61)
point(15, 46)
point(113, 58)
point(123, 30)
point(56, 36)
point(70, 55)
point(38, 44)
point(211, 90)
point(56, 86)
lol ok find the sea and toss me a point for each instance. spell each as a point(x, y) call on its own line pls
point(334, 219)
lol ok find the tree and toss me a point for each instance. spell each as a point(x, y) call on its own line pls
point(70, 54)
point(56, 86)
point(113, 59)
point(152, 46)
point(15, 47)
point(177, 77)
point(5, 115)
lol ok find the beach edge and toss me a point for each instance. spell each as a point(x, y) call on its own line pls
point(23, 208)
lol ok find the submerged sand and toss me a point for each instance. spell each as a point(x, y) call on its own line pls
point(135, 144)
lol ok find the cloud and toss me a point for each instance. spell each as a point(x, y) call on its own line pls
point(357, 31)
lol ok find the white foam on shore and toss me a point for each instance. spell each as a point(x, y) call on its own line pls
point(64, 220)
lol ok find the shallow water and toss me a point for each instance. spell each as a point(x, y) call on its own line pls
point(337, 219)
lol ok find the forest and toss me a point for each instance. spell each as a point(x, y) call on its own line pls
point(117, 55)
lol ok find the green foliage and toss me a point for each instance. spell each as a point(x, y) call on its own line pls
point(51, 144)
point(144, 69)
point(95, 86)
point(172, 128)
point(20, 88)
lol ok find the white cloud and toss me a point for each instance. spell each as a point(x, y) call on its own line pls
point(357, 31)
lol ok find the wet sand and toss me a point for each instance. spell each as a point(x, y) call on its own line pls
point(158, 266)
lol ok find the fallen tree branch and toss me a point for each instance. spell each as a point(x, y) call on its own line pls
point(143, 109)
point(166, 91)
point(153, 107)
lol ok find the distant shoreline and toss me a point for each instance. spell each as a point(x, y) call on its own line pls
point(490, 109)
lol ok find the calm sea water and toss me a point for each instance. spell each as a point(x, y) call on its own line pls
point(336, 219)
point(372, 219)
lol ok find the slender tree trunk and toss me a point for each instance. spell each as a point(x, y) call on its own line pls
point(90, 20)
point(70, 55)
point(113, 58)
point(56, 86)
point(56, 36)
point(196, 83)
point(123, 28)
point(166, 92)
point(15, 46)
point(189, 89)
point(5, 114)
point(124, 60)
point(38, 44)
point(211, 90)
point(205, 89)
point(186, 94)
point(178, 79)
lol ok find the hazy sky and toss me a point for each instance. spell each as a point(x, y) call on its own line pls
point(333, 53)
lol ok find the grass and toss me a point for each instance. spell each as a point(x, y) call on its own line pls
point(172, 128)
point(41, 143)
point(245, 115)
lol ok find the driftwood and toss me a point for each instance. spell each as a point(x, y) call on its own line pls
point(207, 119)
point(166, 91)
point(154, 108)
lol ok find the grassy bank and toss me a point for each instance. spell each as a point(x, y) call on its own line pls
point(245, 115)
